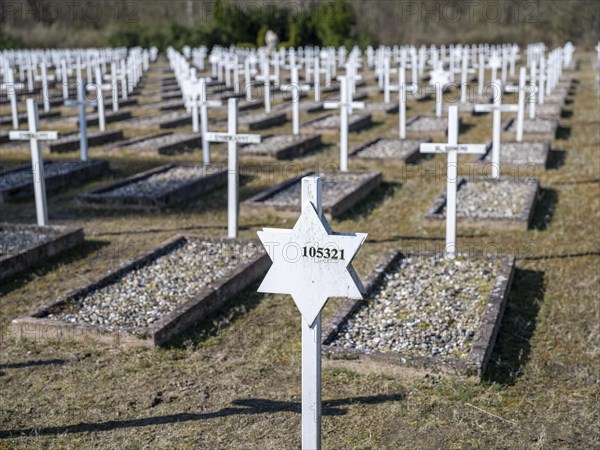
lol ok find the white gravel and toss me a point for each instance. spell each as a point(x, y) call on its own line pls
point(425, 306)
point(144, 295)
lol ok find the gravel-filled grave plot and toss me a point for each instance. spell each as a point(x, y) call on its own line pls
point(504, 204)
point(170, 105)
point(307, 106)
point(164, 144)
point(406, 150)
point(421, 126)
point(23, 246)
point(341, 192)
point(330, 123)
point(248, 121)
point(528, 154)
point(18, 183)
point(109, 117)
point(157, 188)
point(71, 142)
point(7, 120)
point(548, 110)
point(285, 146)
point(157, 297)
point(423, 314)
point(558, 98)
point(381, 107)
point(533, 128)
point(160, 121)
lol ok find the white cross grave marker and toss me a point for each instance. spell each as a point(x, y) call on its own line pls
point(521, 102)
point(345, 105)
point(99, 87)
point(452, 148)
point(11, 91)
point(81, 103)
point(296, 88)
point(439, 78)
point(37, 162)
point(197, 98)
point(266, 79)
point(497, 108)
point(403, 89)
point(311, 263)
point(233, 177)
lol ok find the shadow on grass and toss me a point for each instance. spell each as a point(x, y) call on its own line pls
point(556, 159)
point(585, 181)
point(366, 206)
point(36, 363)
point(220, 320)
point(81, 251)
point(566, 113)
point(368, 127)
point(562, 256)
point(465, 126)
point(513, 345)
point(563, 132)
point(544, 209)
point(250, 406)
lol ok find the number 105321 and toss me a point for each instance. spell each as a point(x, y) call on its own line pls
point(320, 252)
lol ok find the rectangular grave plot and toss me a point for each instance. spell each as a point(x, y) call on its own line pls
point(109, 117)
point(241, 262)
point(405, 150)
point(260, 121)
point(548, 111)
point(534, 129)
point(18, 183)
point(23, 246)
point(160, 121)
point(425, 126)
point(157, 188)
point(308, 106)
point(517, 196)
point(381, 107)
point(522, 158)
point(285, 146)
point(469, 365)
point(330, 124)
point(71, 143)
point(7, 120)
point(346, 190)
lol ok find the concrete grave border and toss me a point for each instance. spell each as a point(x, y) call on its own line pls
point(411, 158)
point(341, 204)
point(179, 194)
point(67, 238)
point(435, 217)
point(290, 151)
point(170, 326)
point(55, 181)
point(72, 144)
point(361, 121)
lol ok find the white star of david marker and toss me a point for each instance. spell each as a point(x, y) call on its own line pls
point(311, 263)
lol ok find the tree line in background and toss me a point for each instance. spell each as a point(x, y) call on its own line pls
point(83, 23)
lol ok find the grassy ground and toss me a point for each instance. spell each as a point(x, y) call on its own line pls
point(234, 381)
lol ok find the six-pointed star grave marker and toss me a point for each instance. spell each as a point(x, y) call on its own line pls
point(311, 263)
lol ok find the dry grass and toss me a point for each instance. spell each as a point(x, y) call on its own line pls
point(238, 386)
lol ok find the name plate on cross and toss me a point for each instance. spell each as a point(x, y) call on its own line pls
point(225, 137)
